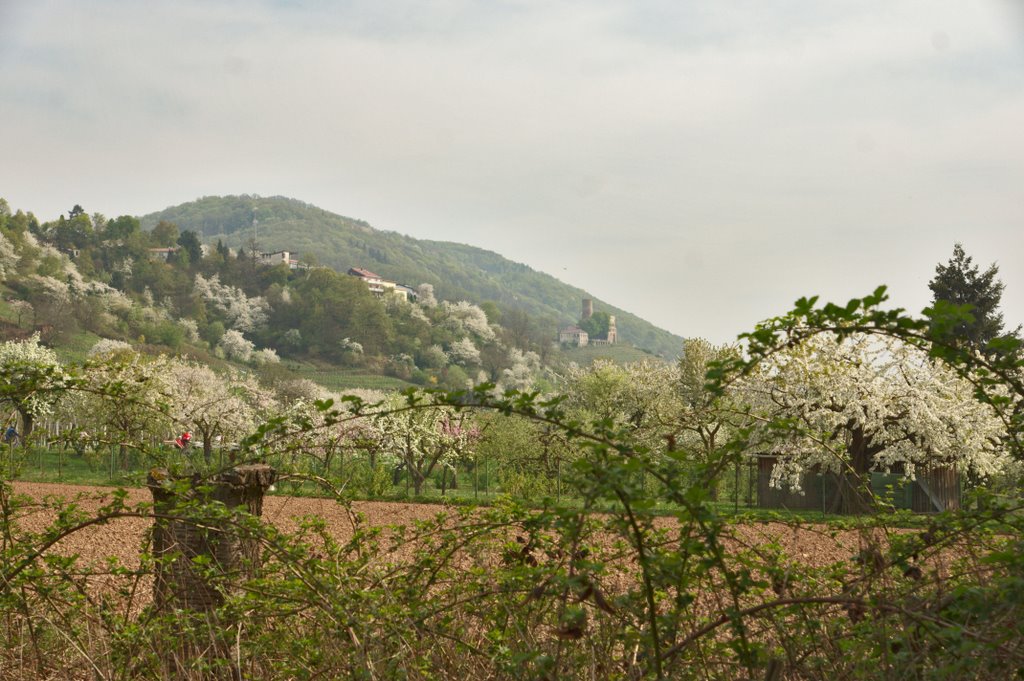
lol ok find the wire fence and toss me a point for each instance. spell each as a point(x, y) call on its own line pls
point(59, 453)
point(53, 456)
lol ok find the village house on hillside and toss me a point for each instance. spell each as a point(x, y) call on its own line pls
point(279, 258)
point(378, 285)
point(162, 253)
point(573, 335)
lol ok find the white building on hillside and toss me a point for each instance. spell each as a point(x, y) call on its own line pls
point(573, 335)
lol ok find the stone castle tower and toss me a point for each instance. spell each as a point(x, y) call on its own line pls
point(587, 313)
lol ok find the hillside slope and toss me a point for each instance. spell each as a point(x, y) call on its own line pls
point(457, 271)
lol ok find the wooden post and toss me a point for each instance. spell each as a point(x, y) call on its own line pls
point(558, 480)
point(736, 490)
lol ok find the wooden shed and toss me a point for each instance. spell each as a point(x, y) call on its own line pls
point(934, 489)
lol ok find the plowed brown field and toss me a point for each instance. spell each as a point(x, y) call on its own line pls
point(122, 538)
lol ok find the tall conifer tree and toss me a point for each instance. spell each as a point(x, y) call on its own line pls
point(961, 282)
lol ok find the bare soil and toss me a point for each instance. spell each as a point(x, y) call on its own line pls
point(122, 538)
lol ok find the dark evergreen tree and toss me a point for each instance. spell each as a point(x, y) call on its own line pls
point(962, 283)
point(189, 241)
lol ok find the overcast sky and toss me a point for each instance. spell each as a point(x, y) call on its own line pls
point(700, 164)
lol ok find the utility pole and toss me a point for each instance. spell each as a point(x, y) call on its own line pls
point(254, 244)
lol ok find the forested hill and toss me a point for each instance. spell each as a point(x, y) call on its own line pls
point(457, 271)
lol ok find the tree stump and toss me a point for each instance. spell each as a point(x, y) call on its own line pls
point(177, 542)
point(198, 561)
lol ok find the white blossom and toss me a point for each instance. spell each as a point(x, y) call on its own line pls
point(22, 308)
point(417, 313)
point(153, 315)
point(52, 290)
point(76, 283)
point(464, 317)
point(191, 329)
point(125, 397)
point(902, 406)
point(349, 345)
point(8, 258)
point(107, 346)
point(109, 297)
point(426, 438)
point(225, 407)
point(236, 346)
point(239, 310)
point(29, 371)
point(265, 356)
point(297, 389)
point(425, 295)
point(48, 251)
point(523, 372)
point(464, 352)
point(292, 338)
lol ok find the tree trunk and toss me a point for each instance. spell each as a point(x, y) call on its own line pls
point(27, 424)
point(423, 470)
point(854, 494)
point(709, 448)
point(415, 474)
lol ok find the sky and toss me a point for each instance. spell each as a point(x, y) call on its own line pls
point(702, 165)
